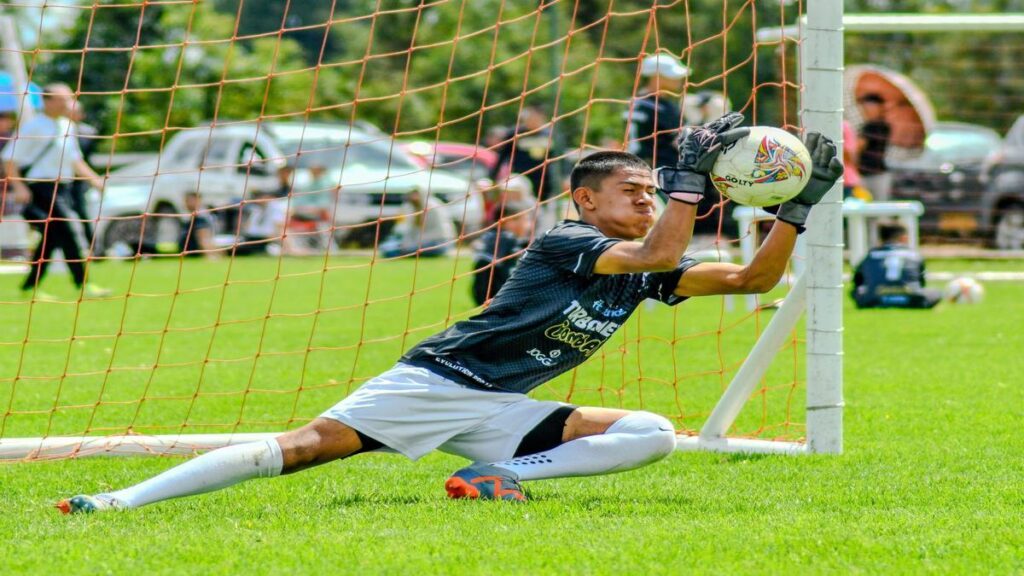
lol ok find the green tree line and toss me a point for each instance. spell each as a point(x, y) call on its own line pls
point(452, 70)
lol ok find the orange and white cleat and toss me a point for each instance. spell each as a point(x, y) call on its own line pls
point(484, 482)
point(85, 504)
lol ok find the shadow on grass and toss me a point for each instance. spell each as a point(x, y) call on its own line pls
point(742, 458)
point(376, 499)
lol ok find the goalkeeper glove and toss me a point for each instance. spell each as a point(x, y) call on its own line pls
point(698, 151)
point(826, 170)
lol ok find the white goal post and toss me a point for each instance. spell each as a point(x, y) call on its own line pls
point(818, 290)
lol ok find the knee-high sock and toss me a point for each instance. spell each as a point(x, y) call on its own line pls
point(211, 471)
point(637, 439)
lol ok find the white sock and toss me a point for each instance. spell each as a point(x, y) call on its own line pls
point(211, 471)
point(636, 440)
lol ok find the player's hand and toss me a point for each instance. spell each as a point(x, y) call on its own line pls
point(827, 168)
point(698, 150)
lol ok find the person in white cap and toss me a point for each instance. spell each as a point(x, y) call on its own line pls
point(654, 117)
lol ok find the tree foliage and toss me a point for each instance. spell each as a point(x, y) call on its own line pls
point(454, 69)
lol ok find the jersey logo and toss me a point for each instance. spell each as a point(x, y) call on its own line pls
point(548, 359)
point(580, 318)
point(607, 312)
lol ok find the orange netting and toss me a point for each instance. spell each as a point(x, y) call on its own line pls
point(236, 308)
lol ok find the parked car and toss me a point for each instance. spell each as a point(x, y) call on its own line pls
point(373, 173)
point(469, 161)
point(1003, 178)
point(144, 202)
point(947, 178)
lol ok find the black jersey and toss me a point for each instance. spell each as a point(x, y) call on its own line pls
point(551, 315)
point(654, 123)
point(892, 277)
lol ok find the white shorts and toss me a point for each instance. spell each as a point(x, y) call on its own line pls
point(415, 411)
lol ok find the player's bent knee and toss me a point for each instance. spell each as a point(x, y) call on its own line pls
point(658, 431)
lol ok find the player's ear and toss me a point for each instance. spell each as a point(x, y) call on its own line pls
point(584, 197)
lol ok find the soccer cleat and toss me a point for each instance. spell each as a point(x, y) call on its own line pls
point(85, 504)
point(38, 296)
point(484, 482)
point(91, 290)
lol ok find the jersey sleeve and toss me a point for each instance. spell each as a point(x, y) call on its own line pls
point(574, 248)
point(662, 285)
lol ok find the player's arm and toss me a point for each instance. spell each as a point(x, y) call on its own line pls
point(660, 250)
point(22, 194)
point(761, 275)
point(685, 185)
point(768, 265)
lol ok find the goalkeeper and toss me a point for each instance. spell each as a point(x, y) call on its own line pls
point(463, 391)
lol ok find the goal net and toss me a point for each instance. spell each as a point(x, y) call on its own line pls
point(260, 157)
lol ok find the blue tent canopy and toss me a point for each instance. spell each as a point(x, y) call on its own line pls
point(12, 95)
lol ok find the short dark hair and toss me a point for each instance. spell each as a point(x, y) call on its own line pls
point(592, 170)
point(891, 232)
point(871, 98)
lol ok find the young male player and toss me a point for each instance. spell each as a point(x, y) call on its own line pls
point(463, 391)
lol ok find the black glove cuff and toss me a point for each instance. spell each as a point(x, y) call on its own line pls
point(795, 214)
point(675, 180)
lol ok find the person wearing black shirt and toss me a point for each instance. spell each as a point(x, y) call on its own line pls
point(892, 275)
point(654, 118)
point(499, 250)
point(40, 163)
point(528, 149)
point(872, 143)
point(463, 390)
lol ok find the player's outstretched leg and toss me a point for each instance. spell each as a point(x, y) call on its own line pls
point(320, 441)
point(596, 441)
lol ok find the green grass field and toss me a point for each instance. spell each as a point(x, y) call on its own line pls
point(931, 480)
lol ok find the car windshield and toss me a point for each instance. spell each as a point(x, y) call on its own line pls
point(333, 153)
point(959, 145)
point(466, 168)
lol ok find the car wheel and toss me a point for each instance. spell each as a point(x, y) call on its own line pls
point(124, 236)
point(121, 237)
point(1010, 228)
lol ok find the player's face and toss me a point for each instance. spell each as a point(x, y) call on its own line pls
point(624, 206)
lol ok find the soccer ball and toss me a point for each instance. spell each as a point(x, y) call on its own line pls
point(964, 291)
point(767, 167)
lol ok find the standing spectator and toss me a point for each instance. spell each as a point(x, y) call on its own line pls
point(654, 118)
point(197, 229)
point(499, 250)
point(892, 275)
point(528, 149)
point(851, 175)
point(87, 141)
point(7, 123)
point(45, 154)
point(426, 230)
point(871, 145)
